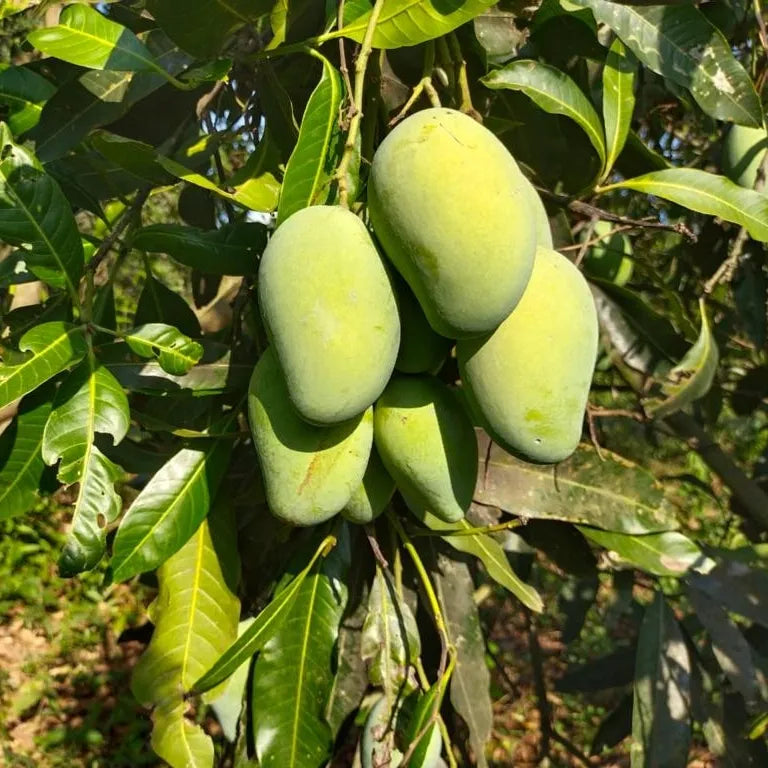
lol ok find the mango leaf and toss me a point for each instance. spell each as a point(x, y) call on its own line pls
point(137, 157)
point(410, 22)
point(554, 92)
point(175, 352)
point(490, 553)
point(678, 42)
point(293, 673)
point(614, 728)
point(692, 377)
point(661, 727)
point(311, 165)
point(618, 100)
point(55, 346)
point(613, 494)
point(226, 251)
point(23, 93)
point(178, 741)
point(169, 508)
point(21, 462)
point(35, 215)
point(90, 400)
point(158, 304)
point(662, 554)
point(471, 682)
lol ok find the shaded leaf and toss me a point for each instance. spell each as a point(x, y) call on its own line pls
point(23, 93)
point(576, 598)
point(175, 352)
point(618, 100)
point(158, 304)
point(136, 157)
point(614, 728)
point(616, 669)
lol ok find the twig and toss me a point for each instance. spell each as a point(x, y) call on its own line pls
point(375, 548)
point(222, 176)
point(465, 101)
point(540, 685)
point(762, 32)
point(496, 528)
point(599, 412)
point(423, 86)
point(596, 240)
point(593, 434)
point(343, 51)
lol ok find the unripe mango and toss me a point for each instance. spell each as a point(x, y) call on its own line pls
point(611, 258)
point(428, 445)
point(454, 215)
point(309, 472)
point(743, 153)
point(529, 379)
point(330, 312)
point(372, 495)
point(543, 230)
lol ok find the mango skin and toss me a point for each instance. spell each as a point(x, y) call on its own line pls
point(543, 230)
point(611, 258)
point(453, 214)
point(330, 312)
point(428, 445)
point(743, 152)
point(372, 495)
point(309, 472)
point(529, 380)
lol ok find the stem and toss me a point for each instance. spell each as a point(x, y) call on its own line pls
point(506, 526)
point(465, 96)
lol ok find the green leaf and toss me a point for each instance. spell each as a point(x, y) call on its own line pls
point(706, 193)
point(491, 554)
point(310, 167)
point(169, 509)
point(662, 554)
point(293, 673)
point(661, 727)
point(618, 100)
point(175, 352)
point(55, 346)
point(89, 39)
point(410, 22)
point(678, 42)
point(178, 741)
point(158, 304)
point(226, 251)
point(90, 400)
point(692, 377)
point(35, 215)
point(613, 494)
point(554, 92)
point(138, 158)
point(21, 462)
point(23, 93)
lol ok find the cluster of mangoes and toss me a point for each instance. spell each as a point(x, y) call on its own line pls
point(345, 405)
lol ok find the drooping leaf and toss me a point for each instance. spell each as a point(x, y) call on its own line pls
point(553, 91)
point(175, 352)
point(23, 93)
point(21, 461)
point(90, 400)
point(158, 304)
point(615, 727)
point(661, 727)
point(54, 347)
point(706, 193)
point(310, 167)
point(678, 42)
point(137, 157)
point(613, 494)
point(618, 100)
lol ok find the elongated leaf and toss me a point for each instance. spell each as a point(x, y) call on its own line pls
point(175, 352)
point(554, 92)
point(706, 193)
point(490, 553)
point(178, 741)
point(410, 22)
point(87, 38)
point(661, 727)
point(90, 400)
point(55, 346)
point(159, 304)
point(613, 494)
point(680, 43)
point(618, 100)
point(23, 93)
point(308, 174)
point(35, 214)
point(471, 681)
point(615, 727)
point(169, 509)
point(21, 461)
point(227, 251)
point(136, 157)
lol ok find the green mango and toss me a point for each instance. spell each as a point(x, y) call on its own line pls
point(743, 152)
point(529, 380)
point(427, 444)
point(611, 258)
point(421, 349)
point(330, 313)
point(309, 472)
point(454, 215)
point(372, 495)
point(543, 230)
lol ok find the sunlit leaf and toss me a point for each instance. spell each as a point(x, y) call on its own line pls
point(175, 352)
point(23, 93)
point(618, 100)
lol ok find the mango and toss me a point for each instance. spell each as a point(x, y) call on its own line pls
point(309, 472)
point(743, 153)
point(330, 313)
point(371, 497)
point(611, 258)
point(543, 230)
point(427, 444)
point(453, 213)
point(529, 379)
point(421, 349)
